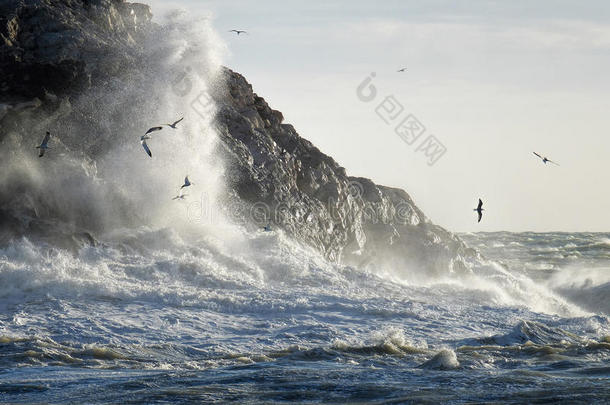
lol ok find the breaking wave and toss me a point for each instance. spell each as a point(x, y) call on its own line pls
point(100, 269)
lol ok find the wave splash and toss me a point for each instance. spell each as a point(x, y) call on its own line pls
point(150, 255)
point(96, 176)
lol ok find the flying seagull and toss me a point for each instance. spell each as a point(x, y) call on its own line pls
point(544, 159)
point(186, 182)
point(479, 210)
point(175, 123)
point(43, 146)
point(144, 145)
point(402, 70)
point(144, 137)
point(238, 32)
point(153, 129)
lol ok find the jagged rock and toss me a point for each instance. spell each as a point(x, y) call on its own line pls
point(45, 44)
point(52, 52)
point(309, 195)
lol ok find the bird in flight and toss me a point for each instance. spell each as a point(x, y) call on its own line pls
point(153, 129)
point(143, 139)
point(146, 135)
point(43, 146)
point(479, 210)
point(238, 32)
point(186, 182)
point(544, 159)
point(402, 70)
point(175, 123)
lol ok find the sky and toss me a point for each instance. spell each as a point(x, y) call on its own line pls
point(491, 81)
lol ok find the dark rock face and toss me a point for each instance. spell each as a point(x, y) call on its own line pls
point(44, 44)
point(52, 52)
point(288, 182)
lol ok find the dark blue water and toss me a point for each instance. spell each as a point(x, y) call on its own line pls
point(195, 320)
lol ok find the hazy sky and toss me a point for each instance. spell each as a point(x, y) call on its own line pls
point(491, 80)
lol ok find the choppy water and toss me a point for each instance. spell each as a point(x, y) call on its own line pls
point(202, 312)
point(155, 316)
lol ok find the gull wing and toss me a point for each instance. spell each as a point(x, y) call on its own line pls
point(480, 205)
point(480, 216)
point(177, 121)
point(153, 129)
point(45, 140)
point(186, 182)
point(538, 155)
point(146, 148)
point(552, 162)
point(41, 154)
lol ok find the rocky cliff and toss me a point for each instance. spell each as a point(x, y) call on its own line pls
point(61, 47)
point(291, 183)
point(54, 52)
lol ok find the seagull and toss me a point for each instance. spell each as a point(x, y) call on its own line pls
point(186, 182)
point(174, 124)
point(544, 159)
point(479, 210)
point(402, 70)
point(153, 129)
point(238, 32)
point(43, 146)
point(144, 137)
point(144, 145)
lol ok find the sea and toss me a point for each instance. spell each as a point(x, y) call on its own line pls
point(166, 303)
point(156, 316)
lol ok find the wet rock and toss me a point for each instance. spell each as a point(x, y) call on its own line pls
point(308, 194)
point(50, 52)
point(54, 45)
